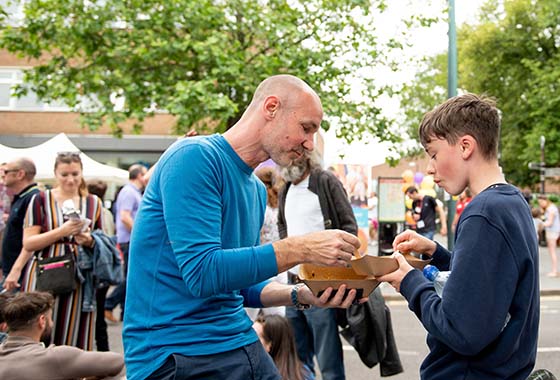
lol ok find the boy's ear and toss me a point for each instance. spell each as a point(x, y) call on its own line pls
point(467, 144)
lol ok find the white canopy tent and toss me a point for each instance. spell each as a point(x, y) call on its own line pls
point(44, 156)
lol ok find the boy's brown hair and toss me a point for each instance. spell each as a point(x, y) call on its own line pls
point(21, 311)
point(467, 114)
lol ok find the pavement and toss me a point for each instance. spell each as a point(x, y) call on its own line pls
point(549, 286)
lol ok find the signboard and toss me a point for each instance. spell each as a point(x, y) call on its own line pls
point(391, 207)
point(552, 172)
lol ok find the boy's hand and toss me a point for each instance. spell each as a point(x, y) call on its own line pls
point(409, 241)
point(395, 278)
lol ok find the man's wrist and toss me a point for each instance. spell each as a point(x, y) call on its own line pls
point(296, 299)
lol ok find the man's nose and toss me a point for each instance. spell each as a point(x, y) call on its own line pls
point(308, 144)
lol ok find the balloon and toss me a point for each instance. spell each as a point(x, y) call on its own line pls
point(430, 192)
point(427, 182)
point(409, 219)
point(408, 203)
point(407, 175)
point(418, 177)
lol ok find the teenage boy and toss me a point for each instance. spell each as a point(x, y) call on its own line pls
point(485, 326)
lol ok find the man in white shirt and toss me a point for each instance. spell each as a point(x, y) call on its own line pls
point(313, 200)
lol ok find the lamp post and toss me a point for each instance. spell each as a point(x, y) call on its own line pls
point(543, 141)
point(451, 92)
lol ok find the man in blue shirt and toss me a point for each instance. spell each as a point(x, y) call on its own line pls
point(195, 259)
point(485, 325)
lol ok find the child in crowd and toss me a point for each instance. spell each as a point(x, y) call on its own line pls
point(277, 337)
point(537, 220)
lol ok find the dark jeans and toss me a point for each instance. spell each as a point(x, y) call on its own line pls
point(101, 336)
point(118, 295)
point(250, 362)
point(316, 333)
point(428, 234)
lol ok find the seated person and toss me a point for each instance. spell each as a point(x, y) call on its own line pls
point(277, 336)
point(3, 326)
point(24, 357)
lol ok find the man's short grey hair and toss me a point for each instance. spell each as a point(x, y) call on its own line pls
point(28, 166)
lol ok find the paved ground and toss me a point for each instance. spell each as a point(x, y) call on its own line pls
point(410, 334)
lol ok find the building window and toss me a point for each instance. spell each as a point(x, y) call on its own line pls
point(11, 77)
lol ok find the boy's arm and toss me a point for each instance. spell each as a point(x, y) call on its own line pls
point(477, 295)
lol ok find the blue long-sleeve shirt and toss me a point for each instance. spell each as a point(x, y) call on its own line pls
point(194, 256)
point(494, 271)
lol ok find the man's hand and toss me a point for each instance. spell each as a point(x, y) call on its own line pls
point(12, 278)
point(338, 300)
point(395, 278)
point(327, 248)
point(409, 241)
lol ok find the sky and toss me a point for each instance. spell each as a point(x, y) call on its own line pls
point(424, 42)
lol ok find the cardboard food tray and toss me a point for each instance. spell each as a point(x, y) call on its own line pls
point(319, 278)
point(380, 265)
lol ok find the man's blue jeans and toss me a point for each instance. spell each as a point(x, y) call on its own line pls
point(118, 295)
point(316, 333)
point(428, 234)
point(248, 362)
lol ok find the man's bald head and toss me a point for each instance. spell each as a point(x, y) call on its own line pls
point(286, 87)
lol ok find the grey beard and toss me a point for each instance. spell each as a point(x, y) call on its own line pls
point(293, 172)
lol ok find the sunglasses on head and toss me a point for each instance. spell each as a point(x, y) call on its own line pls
point(68, 154)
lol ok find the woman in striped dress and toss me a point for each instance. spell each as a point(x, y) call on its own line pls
point(47, 233)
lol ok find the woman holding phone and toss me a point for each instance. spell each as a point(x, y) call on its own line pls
point(52, 228)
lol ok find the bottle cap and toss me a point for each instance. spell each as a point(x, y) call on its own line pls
point(430, 272)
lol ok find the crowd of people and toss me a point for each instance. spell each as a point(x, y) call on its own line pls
point(201, 243)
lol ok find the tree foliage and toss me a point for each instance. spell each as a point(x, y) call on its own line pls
point(113, 60)
point(512, 54)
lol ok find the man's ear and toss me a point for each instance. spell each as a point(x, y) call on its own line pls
point(467, 144)
point(42, 321)
point(270, 106)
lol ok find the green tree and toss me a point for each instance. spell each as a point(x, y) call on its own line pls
point(115, 60)
point(512, 54)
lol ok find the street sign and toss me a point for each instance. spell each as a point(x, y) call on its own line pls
point(535, 165)
point(551, 172)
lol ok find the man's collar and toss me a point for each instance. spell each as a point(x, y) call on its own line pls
point(27, 189)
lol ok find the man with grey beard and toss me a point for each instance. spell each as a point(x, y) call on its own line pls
point(313, 200)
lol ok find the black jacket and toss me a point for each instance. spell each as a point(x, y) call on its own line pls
point(335, 207)
point(369, 330)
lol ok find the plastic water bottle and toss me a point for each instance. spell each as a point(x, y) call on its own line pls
point(439, 278)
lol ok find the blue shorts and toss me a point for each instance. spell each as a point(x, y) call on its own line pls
point(249, 362)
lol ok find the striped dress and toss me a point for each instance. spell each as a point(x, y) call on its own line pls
point(71, 326)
